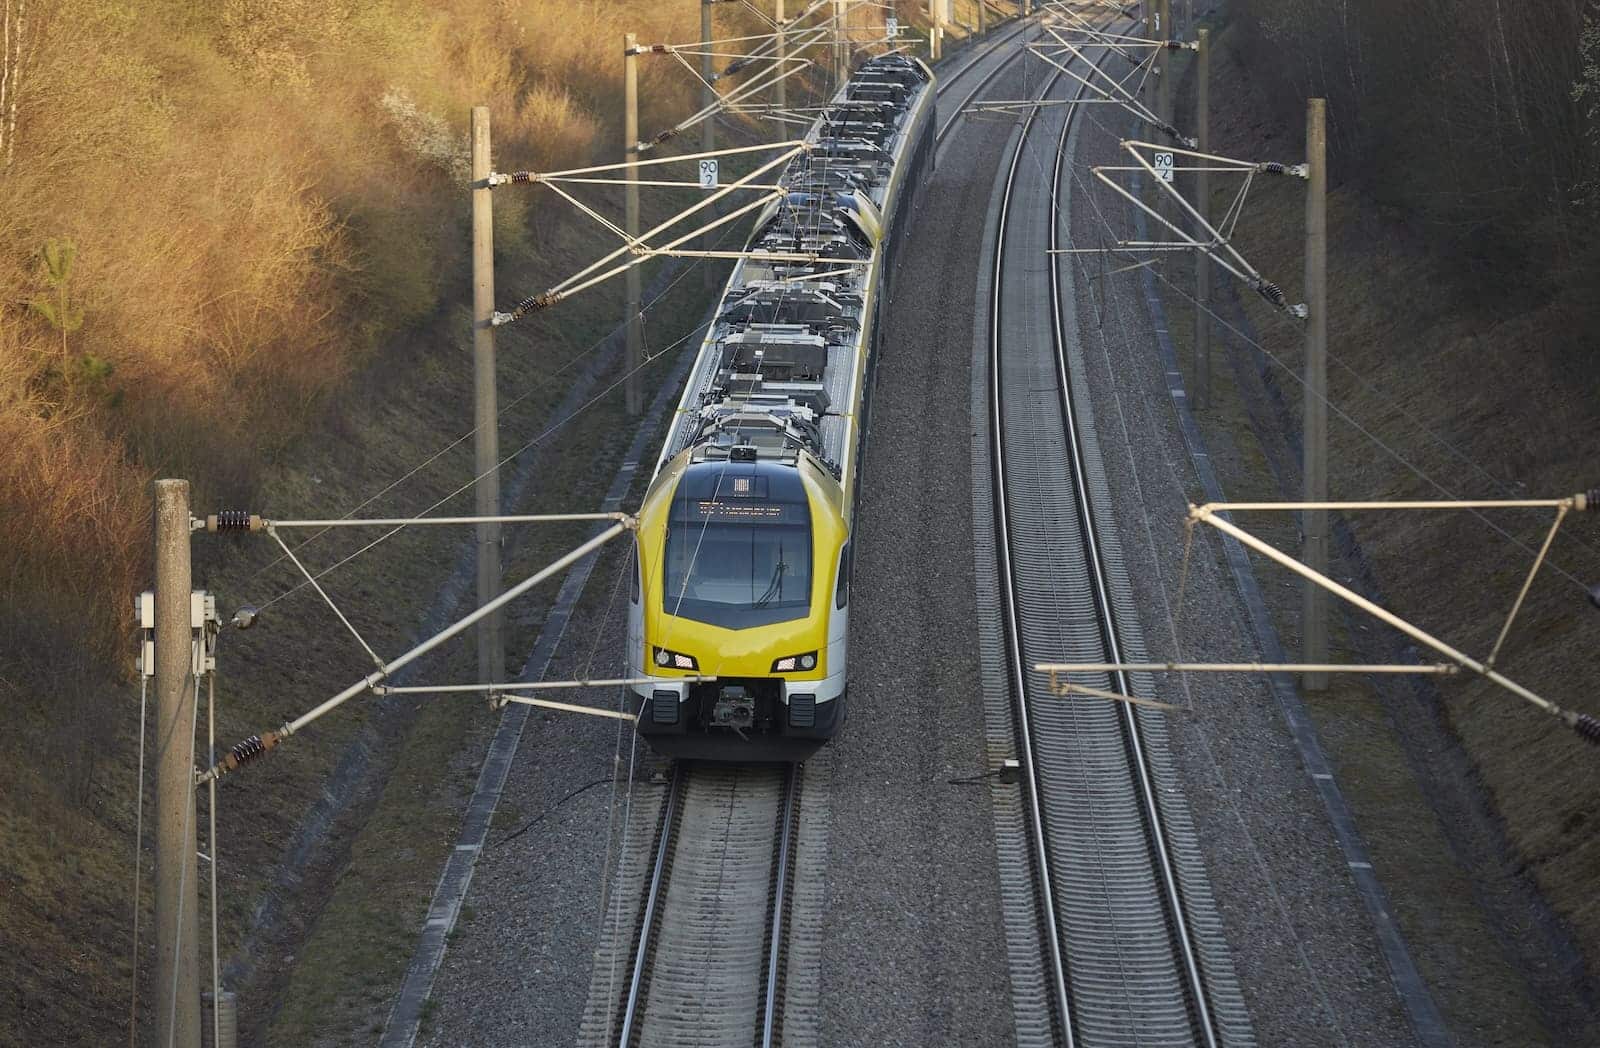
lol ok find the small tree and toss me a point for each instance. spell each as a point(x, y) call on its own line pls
point(58, 309)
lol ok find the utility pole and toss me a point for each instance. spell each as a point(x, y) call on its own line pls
point(630, 135)
point(708, 126)
point(983, 26)
point(781, 88)
point(1147, 30)
point(486, 411)
point(1315, 613)
point(1202, 203)
point(1162, 67)
point(177, 988)
point(936, 29)
point(1164, 62)
point(841, 54)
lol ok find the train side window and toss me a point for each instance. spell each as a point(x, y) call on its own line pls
point(633, 575)
point(842, 591)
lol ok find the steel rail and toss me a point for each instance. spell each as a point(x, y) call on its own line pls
point(1055, 953)
point(650, 917)
point(783, 862)
point(1108, 620)
point(1195, 989)
point(780, 878)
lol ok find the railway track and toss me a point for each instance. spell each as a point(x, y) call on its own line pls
point(700, 923)
point(1131, 948)
point(709, 942)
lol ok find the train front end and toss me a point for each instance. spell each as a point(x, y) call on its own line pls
point(738, 613)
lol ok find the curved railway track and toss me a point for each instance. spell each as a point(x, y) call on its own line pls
point(1117, 928)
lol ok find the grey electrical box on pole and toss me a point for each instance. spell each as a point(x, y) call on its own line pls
point(1315, 610)
point(1202, 203)
point(630, 139)
point(486, 410)
point(177, 986)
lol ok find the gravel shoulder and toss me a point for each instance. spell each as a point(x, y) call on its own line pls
point(913, 948)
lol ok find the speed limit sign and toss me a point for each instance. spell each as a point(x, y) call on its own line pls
point(1163, 166)
point(708, 174)
point(891, 27)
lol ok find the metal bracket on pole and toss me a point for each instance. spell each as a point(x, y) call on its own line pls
point(1212, 240)
point(1071, 33)
point(635, 250)
point(256, 745)
point(1585, 725)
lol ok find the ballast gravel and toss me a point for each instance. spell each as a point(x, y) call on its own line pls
point(911, 945)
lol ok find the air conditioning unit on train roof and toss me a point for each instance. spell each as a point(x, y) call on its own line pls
point(780, 352)
point(812, 303)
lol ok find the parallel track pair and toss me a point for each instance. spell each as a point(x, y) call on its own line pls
point(1103, 861)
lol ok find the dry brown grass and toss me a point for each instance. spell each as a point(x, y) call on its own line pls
point(260, 193)
point(266, 199)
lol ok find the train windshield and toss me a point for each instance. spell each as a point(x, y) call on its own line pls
point(738, 548)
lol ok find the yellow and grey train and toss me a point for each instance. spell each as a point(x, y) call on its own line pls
point(743, 549)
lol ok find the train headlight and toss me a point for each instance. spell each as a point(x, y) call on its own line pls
point(790, 663)
point(674, 659)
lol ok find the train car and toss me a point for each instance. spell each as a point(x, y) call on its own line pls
point(743, 552)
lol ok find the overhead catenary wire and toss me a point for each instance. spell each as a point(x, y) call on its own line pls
point(538, 385)
point(540, 438)
point(1229, 793)
point(1199, 1014)
point(1340, 412)
point(546, 380)
point(311, 579)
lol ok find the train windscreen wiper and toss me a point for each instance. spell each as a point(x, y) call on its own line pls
point(775, 587)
